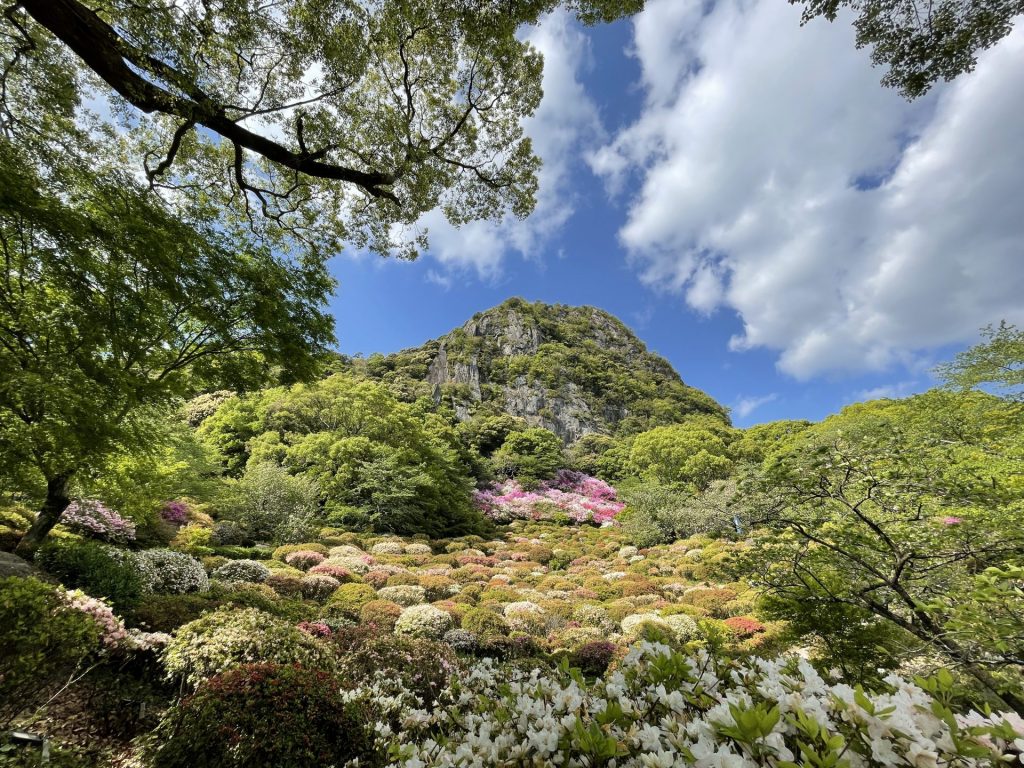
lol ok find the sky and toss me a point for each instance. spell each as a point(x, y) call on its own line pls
point(744, 194)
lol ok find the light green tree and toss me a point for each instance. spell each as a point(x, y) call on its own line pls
point(997, 362)
point(111, 304)
point(694, 453)
point(378, 462)
point(892, 508)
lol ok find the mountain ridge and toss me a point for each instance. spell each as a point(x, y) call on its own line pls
point(572, 369)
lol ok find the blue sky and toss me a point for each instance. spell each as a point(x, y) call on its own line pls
point(743, 193)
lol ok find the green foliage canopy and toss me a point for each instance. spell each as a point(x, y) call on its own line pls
point(331, 119)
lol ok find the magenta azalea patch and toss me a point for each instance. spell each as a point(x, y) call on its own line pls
point(579, 497)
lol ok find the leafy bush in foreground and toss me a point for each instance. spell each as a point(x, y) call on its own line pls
point(41, 639)
point(262, 715)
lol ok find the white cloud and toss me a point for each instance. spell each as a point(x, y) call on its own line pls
point(747, 405)
point(565, 122)
point(776, 177)
point(436, 278)
point(887, 391)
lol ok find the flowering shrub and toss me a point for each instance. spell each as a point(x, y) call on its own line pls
point(174, 572)
point(113, 633)
point(343, 575)
point(392, 674)
point(592, 659)
point(418, 548)
point(572, 495)
point(242, 570)
point(660, 709)
point(744, 626)
point(175, 512)
point(227, 638)
point(381, 613)
point(304, 559)
point(262, 715)
point(424, 621)
point(93, 518)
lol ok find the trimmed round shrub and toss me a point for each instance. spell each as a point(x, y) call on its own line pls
point(41, 639)
point(229, 637)
point(262, 715)
point(99, 569)
point(424, 621)
point(418, 548)
point(388, 548)
point(683, 627)
point(353, 564)
point(633, 625)
point(286, 584)
point(175, 573)
point(381, 613)
point(405, 594)
point(343, 575)
point(318, 587)
point(284, 550)
point(242, 570)
point(592, 659)
point(461, 640)
point(348, 599)
point(744, 626)
point(437, 587)
point(483, 622)
point(346, 550)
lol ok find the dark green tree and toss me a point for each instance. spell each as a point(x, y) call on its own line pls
point(111, 303)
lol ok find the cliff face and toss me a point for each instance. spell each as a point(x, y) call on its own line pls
point(572, 370)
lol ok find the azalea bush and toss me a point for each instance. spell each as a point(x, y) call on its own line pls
point(570, 496)
point(242, 570)
point(93, 518)
point(227, 638)
point(658, 708)
point(99, 569)
point(174, 572)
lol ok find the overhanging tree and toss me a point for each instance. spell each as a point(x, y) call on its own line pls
point(922, 42)
point(337, 120)
point(111, 304)
point(893, 508)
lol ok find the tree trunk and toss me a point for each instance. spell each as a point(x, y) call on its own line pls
point(56, 502)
